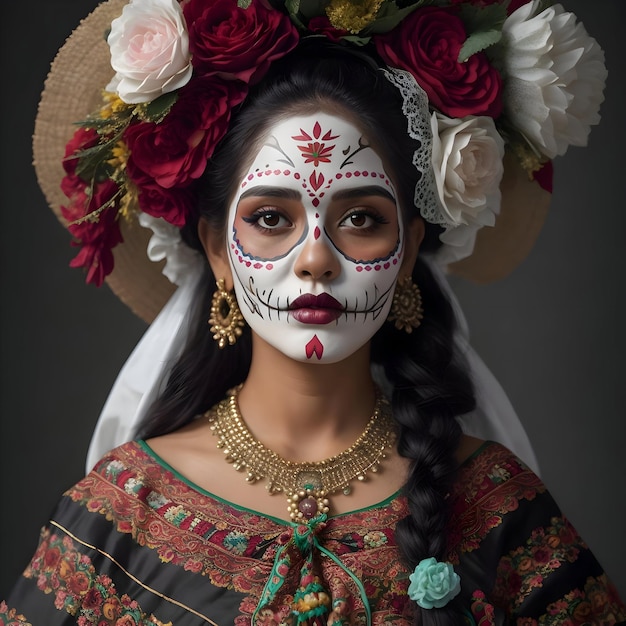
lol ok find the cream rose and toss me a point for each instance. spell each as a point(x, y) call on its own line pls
point(554, 78)
point(149, 50)
point(467, 163)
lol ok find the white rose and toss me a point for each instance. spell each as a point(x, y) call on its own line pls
point(554, 78)
point(149, 50)
point(467, 162)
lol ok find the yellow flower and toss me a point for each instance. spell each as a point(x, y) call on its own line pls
point(352, 16)
point(528, 158)
point(120, 156)
point(113, 104)
point(129, 201)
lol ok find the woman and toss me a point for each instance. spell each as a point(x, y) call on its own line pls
point(310, 210)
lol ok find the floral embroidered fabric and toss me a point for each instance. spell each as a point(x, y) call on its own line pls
point(134, 543)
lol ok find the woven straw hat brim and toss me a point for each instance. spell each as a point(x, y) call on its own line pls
point(500, 249)
point(73, 90)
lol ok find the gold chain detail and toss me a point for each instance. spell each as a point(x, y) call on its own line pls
point(302, 483)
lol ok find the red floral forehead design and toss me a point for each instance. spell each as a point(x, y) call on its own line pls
point(181, 69)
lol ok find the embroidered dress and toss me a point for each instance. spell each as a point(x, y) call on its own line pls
point(134, 543)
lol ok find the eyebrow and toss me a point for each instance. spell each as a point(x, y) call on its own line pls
point(360, 192)
point(271, 192)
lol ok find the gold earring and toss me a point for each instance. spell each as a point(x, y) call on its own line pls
point(406, 308)
point(226, 319)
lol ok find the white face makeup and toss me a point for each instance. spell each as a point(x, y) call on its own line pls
point(315, 239)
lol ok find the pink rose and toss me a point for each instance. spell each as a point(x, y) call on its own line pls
point(149, 50)
point(241, 43)
point(427, 44)
point(174, 153)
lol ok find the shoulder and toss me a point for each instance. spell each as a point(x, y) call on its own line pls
point(493, 489)
point(488, 468)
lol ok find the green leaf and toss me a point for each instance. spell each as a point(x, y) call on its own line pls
point(483, 26)
point(156, 110)
point(490, 17)
point(312, 8)
point(244, 4)
point(356, 40)
point(389, 16)
point(477, 42)
point(93, 166)
point(292, 6)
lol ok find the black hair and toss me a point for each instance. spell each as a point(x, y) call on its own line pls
point(429, 382)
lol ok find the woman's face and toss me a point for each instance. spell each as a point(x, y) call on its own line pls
point(315, 239)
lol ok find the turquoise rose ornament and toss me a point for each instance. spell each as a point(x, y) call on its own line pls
point(434, 584)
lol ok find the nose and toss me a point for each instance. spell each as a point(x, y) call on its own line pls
point(318, 259)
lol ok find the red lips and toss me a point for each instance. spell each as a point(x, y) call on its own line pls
point(311, 309)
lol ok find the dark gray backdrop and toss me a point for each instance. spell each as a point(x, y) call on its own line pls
point(553, 332)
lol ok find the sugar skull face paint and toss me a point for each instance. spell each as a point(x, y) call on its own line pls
point(315, 239)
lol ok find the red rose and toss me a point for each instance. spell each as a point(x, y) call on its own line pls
point(96, 238)
point(427, 44)
point(97, 260)
point(51, 557)
point(92, 599)
point(78, 584)
point(173, 205)
point(240, 43)
point(175, 152)
point(321, 25)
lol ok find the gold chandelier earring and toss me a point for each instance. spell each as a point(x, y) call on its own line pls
point(406, 307)
point(226, 319)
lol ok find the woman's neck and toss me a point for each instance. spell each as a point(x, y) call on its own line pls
point(303, 411)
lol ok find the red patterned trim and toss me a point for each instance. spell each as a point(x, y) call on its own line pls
point(210, 537)
point(490, 485)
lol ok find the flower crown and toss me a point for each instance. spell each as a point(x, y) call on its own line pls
point(497, 73)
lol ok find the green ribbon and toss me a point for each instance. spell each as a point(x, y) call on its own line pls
point(305, 540)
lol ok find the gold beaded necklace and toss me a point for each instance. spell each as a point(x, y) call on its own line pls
point(306, 485)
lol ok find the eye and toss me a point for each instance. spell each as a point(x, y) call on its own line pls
point(362, 219)
point(268, 220)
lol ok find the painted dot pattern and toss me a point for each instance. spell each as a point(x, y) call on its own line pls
point(360, 266)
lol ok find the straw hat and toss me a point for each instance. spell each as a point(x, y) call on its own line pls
point(73, 90)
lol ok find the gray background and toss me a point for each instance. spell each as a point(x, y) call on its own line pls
point(553, 332)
